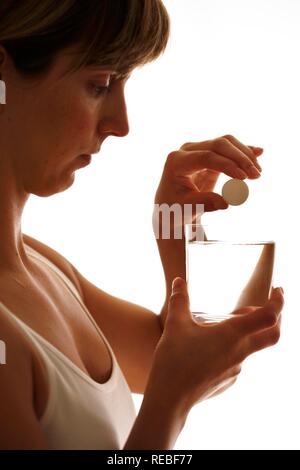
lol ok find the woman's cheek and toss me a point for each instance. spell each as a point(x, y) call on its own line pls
point(84, 127)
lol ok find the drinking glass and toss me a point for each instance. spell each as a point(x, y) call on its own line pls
point(226, 274)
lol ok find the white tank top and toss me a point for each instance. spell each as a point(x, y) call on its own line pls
point(80, 413)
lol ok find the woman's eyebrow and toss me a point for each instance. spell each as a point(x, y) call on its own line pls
point(101, 69)
point(114, 75)
point(123, 75)
point(113, 72)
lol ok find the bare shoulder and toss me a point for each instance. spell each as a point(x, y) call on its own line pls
point(12, 337)
point(56, 258)
point(17, 349)
point(19, 426)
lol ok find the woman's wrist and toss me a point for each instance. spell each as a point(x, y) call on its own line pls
point(160, 420)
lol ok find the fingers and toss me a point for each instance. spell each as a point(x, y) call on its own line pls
point(256, 150)
point(179, 307)
point(186, 163)
point(211, 201)
point(250, 151)
point(244, 157)
point(262, 318)
point(262, 340)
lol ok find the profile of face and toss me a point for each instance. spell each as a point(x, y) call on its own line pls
point(49, 123)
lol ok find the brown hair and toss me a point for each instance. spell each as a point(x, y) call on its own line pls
point(119, 33)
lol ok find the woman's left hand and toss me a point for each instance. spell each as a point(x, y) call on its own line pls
point(190, 174)
point(189, 177)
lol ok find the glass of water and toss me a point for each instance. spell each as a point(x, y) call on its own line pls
point(226, 274)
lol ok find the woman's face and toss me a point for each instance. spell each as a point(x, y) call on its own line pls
point(47, 125)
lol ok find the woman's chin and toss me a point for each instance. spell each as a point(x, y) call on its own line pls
point(52, 189)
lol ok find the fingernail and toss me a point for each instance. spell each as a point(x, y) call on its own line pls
point(258, 149)
point(253, 171)
point(278, 289)
point(177, 283)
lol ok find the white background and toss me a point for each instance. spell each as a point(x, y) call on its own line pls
point(231, 67)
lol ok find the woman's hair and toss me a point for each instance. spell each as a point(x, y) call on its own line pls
point(121, 33)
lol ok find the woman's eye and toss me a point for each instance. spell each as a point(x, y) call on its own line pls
point(100, 90)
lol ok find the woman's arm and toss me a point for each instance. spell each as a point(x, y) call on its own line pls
point(172, 255)
point(257, 289)
point(158, 423)
point(19, 426)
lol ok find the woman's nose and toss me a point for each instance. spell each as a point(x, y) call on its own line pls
point(116, 118)
point(121, 125)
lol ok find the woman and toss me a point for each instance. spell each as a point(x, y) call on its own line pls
point(74, 353)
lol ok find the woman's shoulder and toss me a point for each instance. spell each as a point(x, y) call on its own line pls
point(16, 347)
point(18, 376)
point(56, 258)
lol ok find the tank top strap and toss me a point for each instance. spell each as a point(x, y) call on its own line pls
point(75, 292)
point(49, 263)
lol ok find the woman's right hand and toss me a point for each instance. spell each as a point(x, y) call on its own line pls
point(193, 362)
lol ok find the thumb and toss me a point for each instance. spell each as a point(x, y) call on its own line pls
point(179, 299)
point(211, 201)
